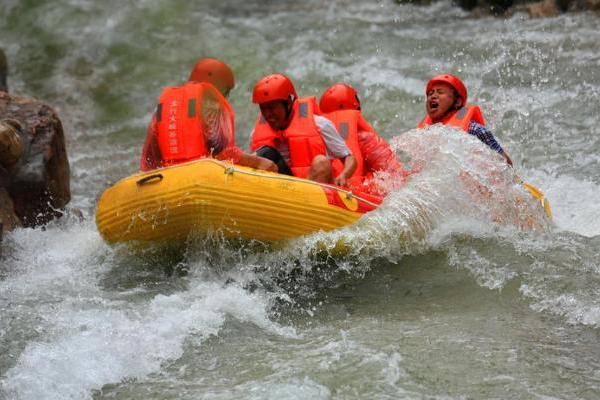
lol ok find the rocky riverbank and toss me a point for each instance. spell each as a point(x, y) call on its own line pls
point(34, 168)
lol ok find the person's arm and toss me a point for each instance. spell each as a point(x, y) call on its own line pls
point(254, 161)
point(350, 165)
point(336, 147)
point(487, 137)
point(377, 154)
point(151, 157)
point(507, 158)
point(237, 156)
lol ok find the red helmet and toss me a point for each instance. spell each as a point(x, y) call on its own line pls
point(215, 72)
point(339, 97)
point(451, 80)
point(273, 87)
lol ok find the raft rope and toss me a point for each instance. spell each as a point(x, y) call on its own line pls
point(230, 169)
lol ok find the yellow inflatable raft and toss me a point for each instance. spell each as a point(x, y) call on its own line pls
point(168, 204)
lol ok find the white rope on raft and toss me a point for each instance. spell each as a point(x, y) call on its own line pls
point(230, 169)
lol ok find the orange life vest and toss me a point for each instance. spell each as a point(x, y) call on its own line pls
point(302, 136)
point(460, 119)
point(347, 125)
point(185, 115)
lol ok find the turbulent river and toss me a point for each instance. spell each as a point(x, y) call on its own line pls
point(439, 297)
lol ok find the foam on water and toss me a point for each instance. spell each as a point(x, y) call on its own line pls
point(88, 337)
point(421, 215)
point(574, 202)
point(556, 272)
point(77, 315)
point(104, 343)
point(294, 389)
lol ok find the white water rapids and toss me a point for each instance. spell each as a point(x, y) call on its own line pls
point(440, 296)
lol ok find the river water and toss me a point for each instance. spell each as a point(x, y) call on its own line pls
point(439, 297)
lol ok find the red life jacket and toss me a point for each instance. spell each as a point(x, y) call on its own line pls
point(347, 125)
point(185, 115)
point(372, 152)
point(460, 119)
point(302, 136)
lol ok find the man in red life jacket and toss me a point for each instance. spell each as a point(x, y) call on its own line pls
point(289, 132)
point(340, 103)
point(195, 121)
point(447, 104)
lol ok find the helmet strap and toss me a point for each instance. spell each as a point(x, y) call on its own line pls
point(289, 105)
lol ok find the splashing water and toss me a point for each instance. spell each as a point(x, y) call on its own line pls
point(456, 287)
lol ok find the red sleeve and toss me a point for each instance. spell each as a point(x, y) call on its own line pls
point(232, 153)
point(363, 125)
point(377, 153)
point(151, 158)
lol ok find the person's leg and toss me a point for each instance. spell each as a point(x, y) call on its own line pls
point(320, 170)
point(275, 156)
